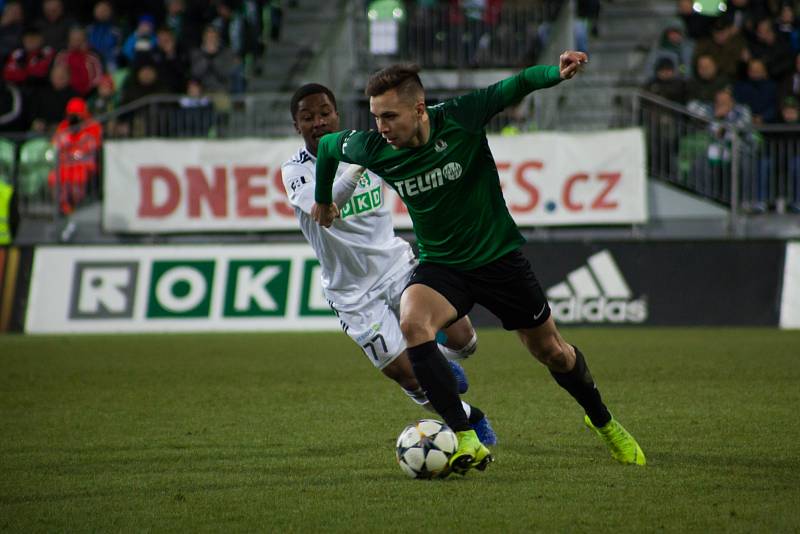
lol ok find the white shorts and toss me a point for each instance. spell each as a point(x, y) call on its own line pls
point(375, 326)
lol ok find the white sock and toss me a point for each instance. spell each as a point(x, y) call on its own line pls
point(419, 398)
point(467, 408)
point(464, 352)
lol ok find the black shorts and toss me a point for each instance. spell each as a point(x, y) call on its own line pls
point(506, 287)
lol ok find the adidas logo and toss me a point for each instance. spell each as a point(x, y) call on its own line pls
point(596, 293)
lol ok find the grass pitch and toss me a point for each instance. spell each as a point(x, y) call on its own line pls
point(295, 433)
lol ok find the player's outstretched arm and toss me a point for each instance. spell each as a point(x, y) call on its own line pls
point(475, 109)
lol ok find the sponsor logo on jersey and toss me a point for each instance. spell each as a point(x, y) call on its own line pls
point(301, 157)
point(596, 293)
point(430, 180)
point(374, 328)
point(297, 182)
point(362, 203)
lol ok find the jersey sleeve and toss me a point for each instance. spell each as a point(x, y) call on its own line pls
point(350, 146)
point(474, 110)
point(299, 184)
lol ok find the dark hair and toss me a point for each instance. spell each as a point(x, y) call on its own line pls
point(665, 63)
point(404, 77)
point(307, 90)
point(721, 23)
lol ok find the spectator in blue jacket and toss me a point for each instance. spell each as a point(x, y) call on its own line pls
point(104, 36)
point(786, 26)
point(142, 40)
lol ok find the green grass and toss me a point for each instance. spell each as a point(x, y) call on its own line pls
point(295, 433)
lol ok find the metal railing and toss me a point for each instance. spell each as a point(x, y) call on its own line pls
point(753, 169)
point(44, 192)
point(561, 37)
point(29, 171)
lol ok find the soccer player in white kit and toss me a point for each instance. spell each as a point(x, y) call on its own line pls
point(365, 267)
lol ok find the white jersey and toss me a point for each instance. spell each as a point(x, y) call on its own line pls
point(359, 252)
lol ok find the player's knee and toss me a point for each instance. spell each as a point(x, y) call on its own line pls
point(557, 360)
point(551, 352)
point(416, 331)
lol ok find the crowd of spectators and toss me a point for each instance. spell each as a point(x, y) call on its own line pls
point(751, 50)
point(740, 67)
point(473, 33)
point(111, 52)
point(66, 63)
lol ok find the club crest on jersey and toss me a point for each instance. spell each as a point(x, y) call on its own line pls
point(364, 181)
point(452, 171)
point(430, 180)
point(440, 145)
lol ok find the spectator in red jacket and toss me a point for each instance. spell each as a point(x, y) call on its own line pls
point(77, 140)
point(29, 65)
point(85, 66)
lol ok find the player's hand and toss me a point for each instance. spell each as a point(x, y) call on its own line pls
point(570, 63)
point(324, 214)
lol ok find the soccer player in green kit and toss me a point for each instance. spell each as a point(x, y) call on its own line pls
point(438, 160)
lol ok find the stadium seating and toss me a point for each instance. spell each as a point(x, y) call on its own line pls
point(119, 76)
point(36, 160)
point(7, 159)
point(691, 148)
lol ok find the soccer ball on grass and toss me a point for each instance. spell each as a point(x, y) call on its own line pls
point(425, 447)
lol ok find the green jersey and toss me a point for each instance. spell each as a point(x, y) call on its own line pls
point(450, 184)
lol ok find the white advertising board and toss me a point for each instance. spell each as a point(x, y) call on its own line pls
point(790, 297)
point(155, 186)
point(176, 288)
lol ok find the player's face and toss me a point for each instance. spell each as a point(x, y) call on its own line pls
point(316, 116)
point(399, 119)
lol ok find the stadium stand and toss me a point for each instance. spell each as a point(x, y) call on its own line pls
point(464, 45)
point(7, 160)
point(36, 161)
